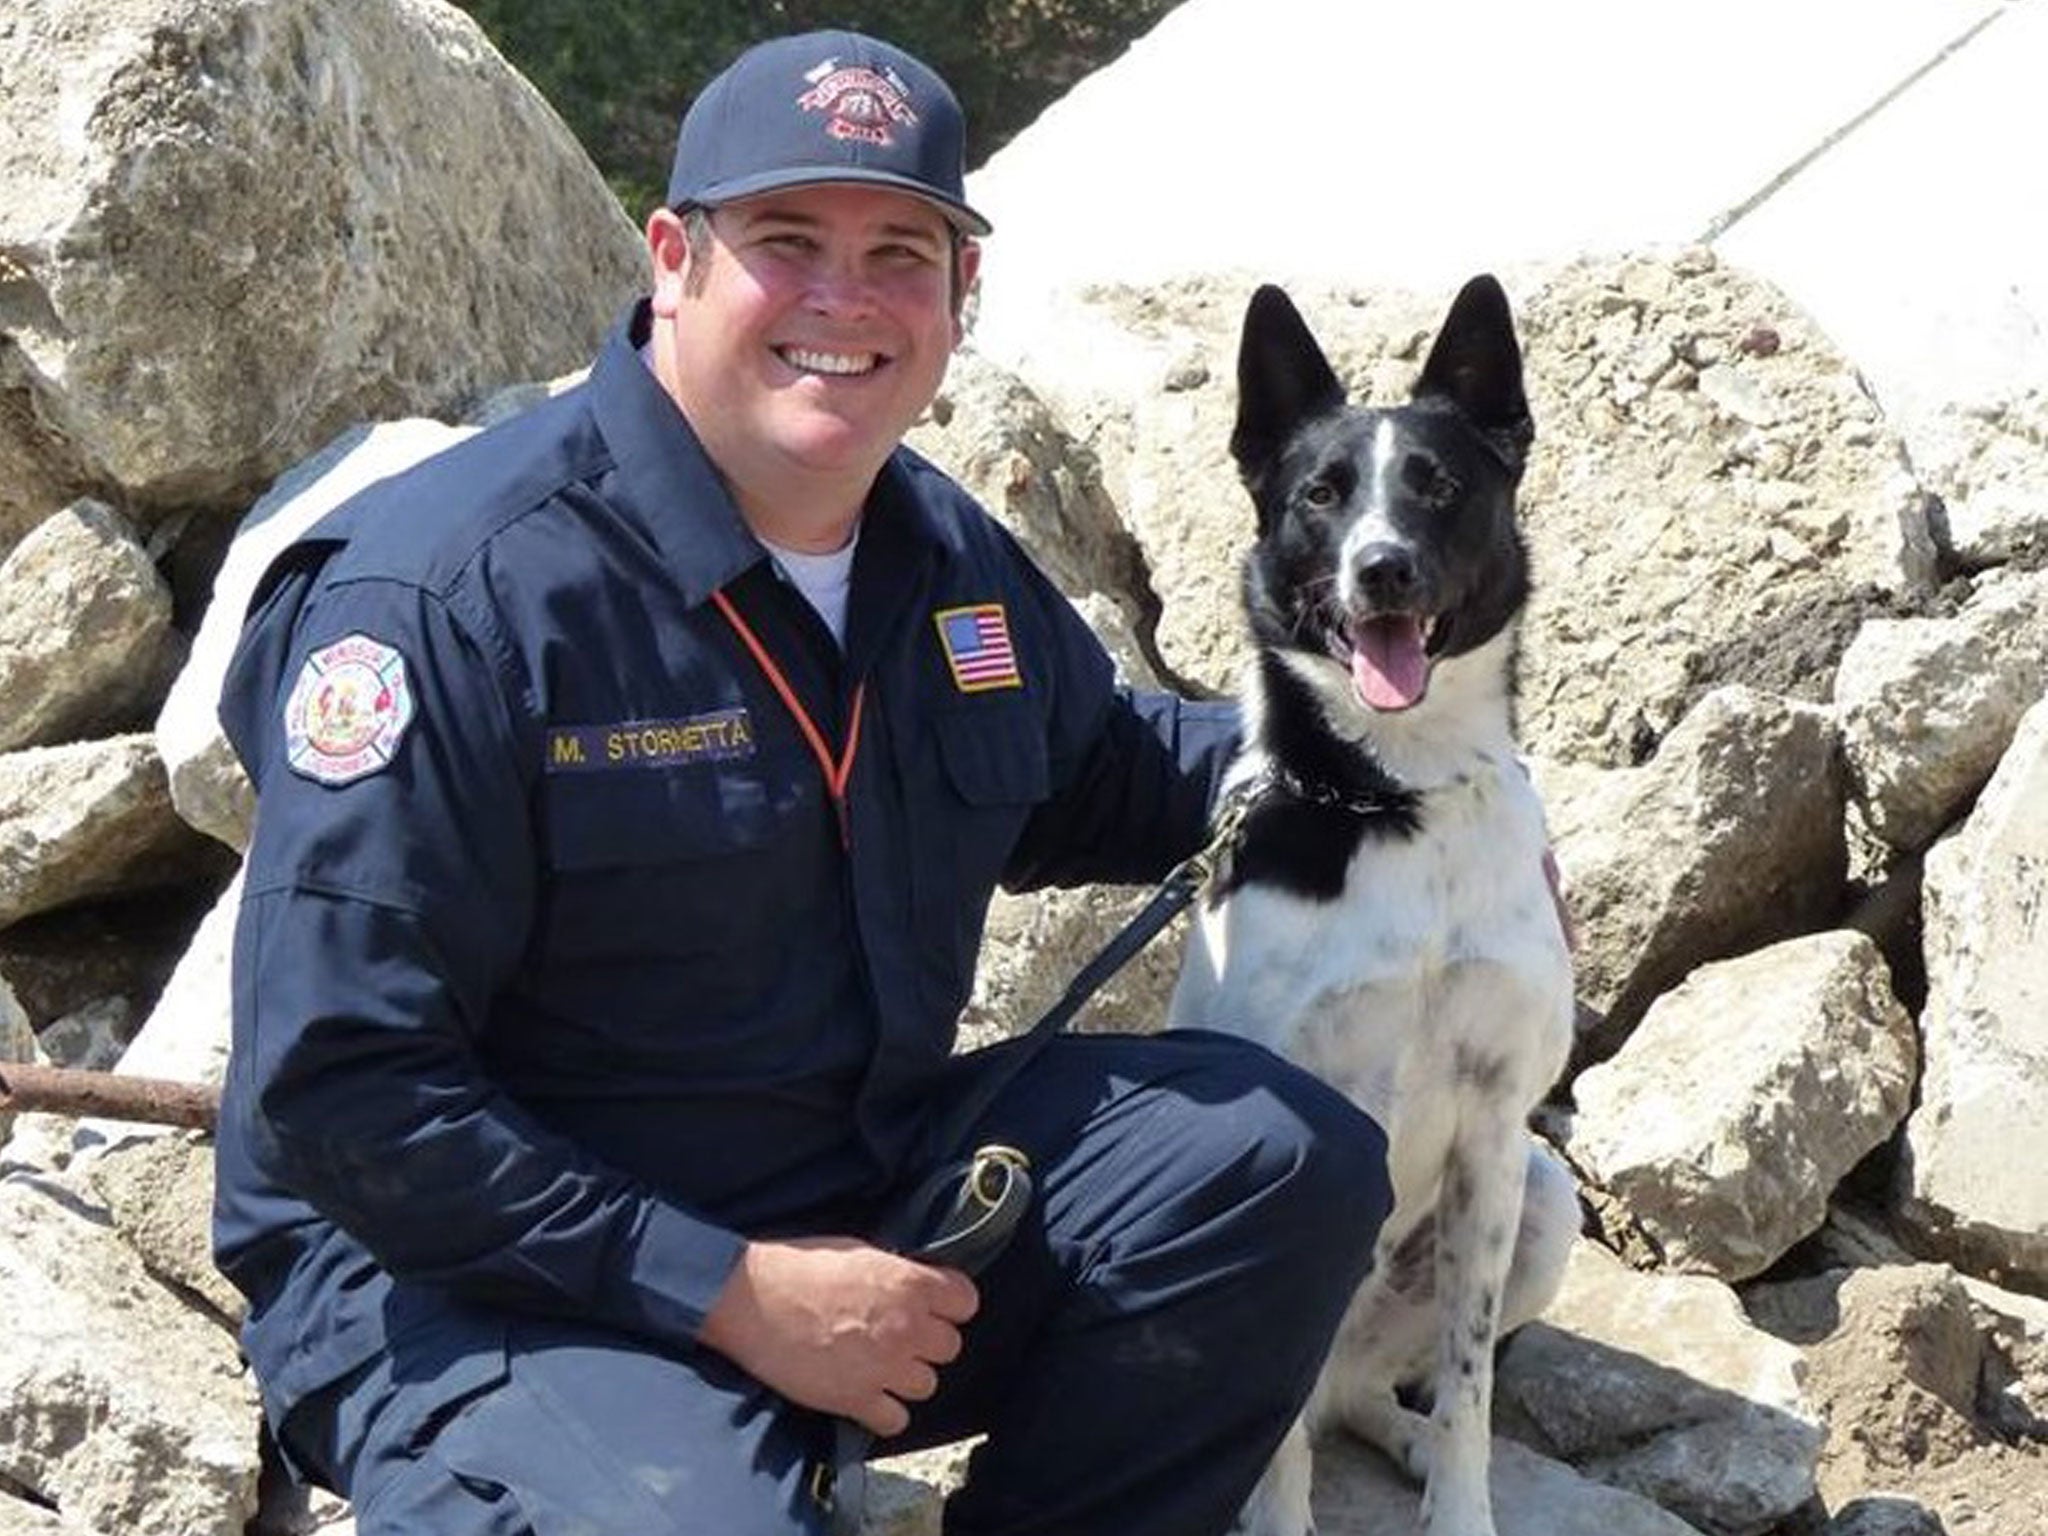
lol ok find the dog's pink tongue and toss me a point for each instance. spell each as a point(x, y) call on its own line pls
point(1389, 668)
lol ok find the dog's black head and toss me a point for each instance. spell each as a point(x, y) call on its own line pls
point(1387, 538)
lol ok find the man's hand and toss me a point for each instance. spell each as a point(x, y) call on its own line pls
point(840, 1326)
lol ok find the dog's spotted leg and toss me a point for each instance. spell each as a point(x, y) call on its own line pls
point(1477, 1221)
point(1387, 1336)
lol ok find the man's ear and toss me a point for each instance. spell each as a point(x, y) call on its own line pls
point(669, 257)
point(968, 269)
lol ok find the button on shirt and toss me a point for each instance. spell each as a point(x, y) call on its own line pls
point(557, 969)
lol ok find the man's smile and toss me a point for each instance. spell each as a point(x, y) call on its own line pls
point(805, 360)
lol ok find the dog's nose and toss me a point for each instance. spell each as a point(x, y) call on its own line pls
point(1386, 575)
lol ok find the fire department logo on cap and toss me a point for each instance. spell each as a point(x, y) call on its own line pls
point(347, 711)
point(860, 104)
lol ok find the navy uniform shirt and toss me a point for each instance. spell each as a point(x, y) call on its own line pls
point(557, 967)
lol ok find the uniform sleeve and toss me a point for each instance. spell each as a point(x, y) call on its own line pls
point(1134, 774)
point(391, 884)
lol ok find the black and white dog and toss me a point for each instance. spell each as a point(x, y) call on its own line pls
point(1385, 919)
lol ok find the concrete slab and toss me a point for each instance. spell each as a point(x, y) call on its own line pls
point(1920, 241)
point(1378, 142)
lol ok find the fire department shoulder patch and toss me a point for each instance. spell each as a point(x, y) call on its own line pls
point(347, 711)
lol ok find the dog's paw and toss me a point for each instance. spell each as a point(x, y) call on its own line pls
point(1455, 1517)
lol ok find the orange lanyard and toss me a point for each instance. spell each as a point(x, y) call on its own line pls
point(836, 774)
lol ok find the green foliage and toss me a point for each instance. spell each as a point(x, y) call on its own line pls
point(621, 71)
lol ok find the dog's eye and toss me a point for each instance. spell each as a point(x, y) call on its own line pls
point(1320, 494)
point(1427, 481)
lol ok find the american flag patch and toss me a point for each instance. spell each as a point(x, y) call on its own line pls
point(977, 645)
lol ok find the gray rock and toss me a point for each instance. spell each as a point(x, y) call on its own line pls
point(1658, 1384)
point(159, 1194)
point(233, 228)
point(1729, 838)
point(1744, 1096)
point(91, 1037)
point(1358, 1493)
point(89, 819)
point(117, 1404)
point(1989, 464)
point(1929, 705)
point(905, 1493)
point(1884, 1515)
point(1984, 1096)
point(85, 630)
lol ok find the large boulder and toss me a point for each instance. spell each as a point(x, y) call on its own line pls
point(119, 1406)
point(1730, 837)
point(1970, 1191)
point(1928, 705)
point(234, 227)
point(86, 820)
point(1714, 499)
point(1744, 1097)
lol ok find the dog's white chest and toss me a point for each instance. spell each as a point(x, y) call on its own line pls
point(1351, 987)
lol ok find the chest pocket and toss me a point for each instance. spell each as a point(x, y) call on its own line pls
point(994, 757)
point(689, 865)
point(992, 771)
point(647, 816)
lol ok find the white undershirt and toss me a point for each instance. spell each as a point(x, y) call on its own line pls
point(824, 580)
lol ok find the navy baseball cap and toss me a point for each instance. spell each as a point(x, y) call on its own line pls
point(824, 107)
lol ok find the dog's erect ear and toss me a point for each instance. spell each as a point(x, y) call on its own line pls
point(1283, 380)
point(1477, 366)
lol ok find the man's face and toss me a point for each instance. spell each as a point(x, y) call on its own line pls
point(812, 332)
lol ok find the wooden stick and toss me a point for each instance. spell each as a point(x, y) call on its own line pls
point(107, 1095)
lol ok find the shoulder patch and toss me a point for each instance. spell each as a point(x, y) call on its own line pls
point(347, 711)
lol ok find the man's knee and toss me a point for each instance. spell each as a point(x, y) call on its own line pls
point(1319, 1161)
point(1339, 1156)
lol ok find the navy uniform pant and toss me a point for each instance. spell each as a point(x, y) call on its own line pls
point(1203, 1213)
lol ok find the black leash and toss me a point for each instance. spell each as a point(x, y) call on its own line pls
point(964, 1215)
point(914, 1231)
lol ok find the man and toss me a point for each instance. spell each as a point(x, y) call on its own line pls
point(632, 784)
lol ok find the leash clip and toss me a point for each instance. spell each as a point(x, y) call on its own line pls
point(1198, 869)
